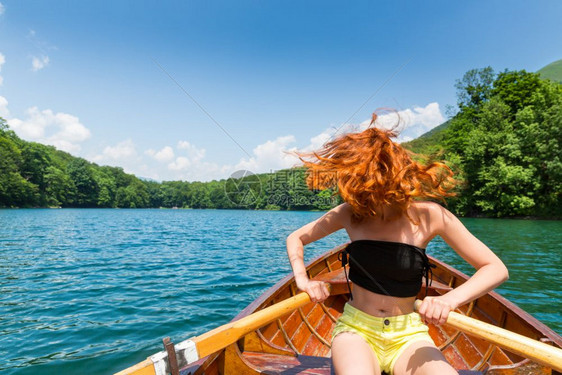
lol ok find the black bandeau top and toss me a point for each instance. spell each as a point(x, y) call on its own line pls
point(389, 268)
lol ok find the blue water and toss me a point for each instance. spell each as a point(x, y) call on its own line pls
point(94, 291)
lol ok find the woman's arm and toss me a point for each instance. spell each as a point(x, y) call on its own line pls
point(490, 270)
point(330, 222)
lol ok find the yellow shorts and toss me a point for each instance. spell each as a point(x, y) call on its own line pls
point(388, 337)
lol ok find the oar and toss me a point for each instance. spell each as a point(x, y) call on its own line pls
point(193, 349)
point(537, 351)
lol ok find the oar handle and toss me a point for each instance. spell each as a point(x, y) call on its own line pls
point(193, 349)
point(537, 351)
point(227, 334)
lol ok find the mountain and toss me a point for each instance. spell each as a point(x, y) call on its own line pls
point(429, 142)
point(552, 71)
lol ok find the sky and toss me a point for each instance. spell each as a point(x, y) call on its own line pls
point(196, 90)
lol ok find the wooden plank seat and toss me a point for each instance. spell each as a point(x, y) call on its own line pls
point(272, 364)
point(338, 282)
point(288, 365)
point(336, 279)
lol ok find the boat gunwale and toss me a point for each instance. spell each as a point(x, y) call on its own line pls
point(509, 306)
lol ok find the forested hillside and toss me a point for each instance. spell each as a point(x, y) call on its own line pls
point(504, 143)
point(552, 71)
point(35, 175)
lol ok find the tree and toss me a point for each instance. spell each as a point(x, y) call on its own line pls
point(155, 195)
point(82, 177)
point(15, 191)
point(474, 88)
point(132, 196)
point(516, 89)
point(35, 161)
point(509, 147)
point(107, 191)
point(59, 188)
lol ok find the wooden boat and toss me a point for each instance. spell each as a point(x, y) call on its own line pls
point(299, 341)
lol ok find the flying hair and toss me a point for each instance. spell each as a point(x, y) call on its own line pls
point(370, 171)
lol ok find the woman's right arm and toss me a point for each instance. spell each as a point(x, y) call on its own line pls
point(330, 222)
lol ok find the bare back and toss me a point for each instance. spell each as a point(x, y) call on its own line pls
point(416, 231)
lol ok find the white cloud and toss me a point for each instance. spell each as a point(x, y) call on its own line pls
point(61, 130)
point(193, 152)
point(420, 120)
point(121, 151)
point(4, 112)
point(410, 123)
point(319, 140)
point(124, 155)
point(181, 163)
point(194, 157)
point(183, 145)
point(185, 169)
point(270, 156)
point(166, 154)
point(39, 63)
point(2, 9)
point(185, 162)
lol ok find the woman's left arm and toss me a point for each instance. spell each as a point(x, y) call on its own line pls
point(490, 270)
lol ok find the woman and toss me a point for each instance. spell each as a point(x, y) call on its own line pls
point(389, 225)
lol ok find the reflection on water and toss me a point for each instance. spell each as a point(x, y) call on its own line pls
point(91, 291)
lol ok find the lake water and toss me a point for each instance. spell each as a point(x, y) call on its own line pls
point(94, 291)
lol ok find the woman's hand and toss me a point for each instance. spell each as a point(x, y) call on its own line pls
point(317, 290)
point(435, 310)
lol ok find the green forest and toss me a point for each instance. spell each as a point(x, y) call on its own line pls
point(503, 142)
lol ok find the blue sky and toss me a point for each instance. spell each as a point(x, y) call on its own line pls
point(108, 80)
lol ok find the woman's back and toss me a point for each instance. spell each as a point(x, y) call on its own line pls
point(417, 229)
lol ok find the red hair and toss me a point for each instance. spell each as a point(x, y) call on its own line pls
point(370, 171)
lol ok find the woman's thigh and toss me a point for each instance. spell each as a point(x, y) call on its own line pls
point(422, 358)
point(352, 355)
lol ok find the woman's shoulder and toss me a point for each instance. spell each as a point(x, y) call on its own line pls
point(342, 211)
point(430, 210)
point(433, 213)
point(342, 208)
point(427, 206)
